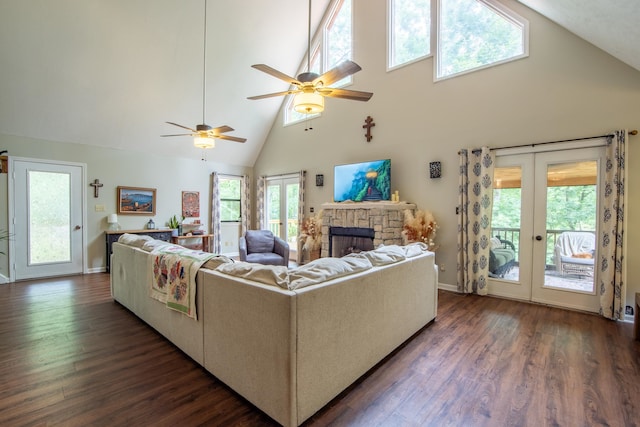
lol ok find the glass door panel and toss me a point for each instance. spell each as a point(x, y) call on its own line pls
point(273, 208)
point(293, 191)
point(49, 217)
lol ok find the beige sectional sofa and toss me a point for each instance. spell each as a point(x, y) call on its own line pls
point(290, 340)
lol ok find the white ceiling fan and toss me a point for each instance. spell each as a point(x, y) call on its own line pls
point(205, 135)
point(311, 88)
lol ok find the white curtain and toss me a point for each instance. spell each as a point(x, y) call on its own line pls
point(475, 196)
point(245, 202)
point(612, 288)
point(301, 191)
point(260, 200)
point(214, 225)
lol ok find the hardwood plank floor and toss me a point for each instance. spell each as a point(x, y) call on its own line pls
point(71, 356)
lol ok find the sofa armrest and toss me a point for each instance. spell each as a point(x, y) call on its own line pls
point(281, 248)
point(242, 246)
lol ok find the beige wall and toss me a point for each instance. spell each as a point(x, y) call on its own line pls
point(169, 175)
point(566, 88)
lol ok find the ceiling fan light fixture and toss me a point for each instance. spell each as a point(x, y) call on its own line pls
point(308, 103)
point(204, 142)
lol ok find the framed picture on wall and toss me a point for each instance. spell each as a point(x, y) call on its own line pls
point(191, 204)
point(136, 201)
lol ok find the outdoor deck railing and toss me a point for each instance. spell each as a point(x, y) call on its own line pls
point(513, 235)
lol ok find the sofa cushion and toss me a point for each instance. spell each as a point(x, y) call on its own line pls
point(134, 240)
point(216, 261)
point(323, 269)
point(276, 275)
point(384, 255)
point(150, 245)
point(269, 258)
point(259, 241)
point(415, 249)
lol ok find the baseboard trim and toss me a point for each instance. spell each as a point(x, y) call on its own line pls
point(4, 279)
point(447, 287)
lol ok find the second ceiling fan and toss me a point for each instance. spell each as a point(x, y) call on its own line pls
point(311, 88)
point(204, 135)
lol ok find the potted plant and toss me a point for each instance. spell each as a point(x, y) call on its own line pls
point(174, 225)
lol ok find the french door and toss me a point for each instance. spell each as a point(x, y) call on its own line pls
point(282, 199)
point(545, 210)
point(46, 219)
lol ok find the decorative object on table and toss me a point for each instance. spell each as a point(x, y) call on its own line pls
point(435, 170)
point(175, 226)
point(311, 236)
point(310, 88)
point(151, 225)
point(368, 124)
point(96, 184)
point(395, 196)
point(419, 227)
point(190, 204)
point(319, 180)
point(136, 200)
point(112, 220)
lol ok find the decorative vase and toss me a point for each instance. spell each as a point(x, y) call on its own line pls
point(314, 254)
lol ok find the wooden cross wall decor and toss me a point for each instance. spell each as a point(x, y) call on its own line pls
point(96, 186)
point(368, 124)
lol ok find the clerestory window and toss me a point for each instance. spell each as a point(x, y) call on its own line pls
point(475, 34)
point(409, 31)
point(470, 34)
point(332, 45)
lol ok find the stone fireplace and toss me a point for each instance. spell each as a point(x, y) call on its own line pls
point(383, 220)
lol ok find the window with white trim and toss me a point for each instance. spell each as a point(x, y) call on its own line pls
point(230, 205)
point(409, 31)
point(475, 34)
point(470, 34)
point(333, 45)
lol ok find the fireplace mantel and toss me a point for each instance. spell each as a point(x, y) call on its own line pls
point(384, 217)
point(398, 206)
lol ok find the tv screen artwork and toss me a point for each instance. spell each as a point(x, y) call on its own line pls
point(363, 182)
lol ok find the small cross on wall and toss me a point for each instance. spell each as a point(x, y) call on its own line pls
point(368, 124)
point(96, 186)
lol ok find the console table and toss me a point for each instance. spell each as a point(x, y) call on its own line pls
point(203, 245)
point(113, 236)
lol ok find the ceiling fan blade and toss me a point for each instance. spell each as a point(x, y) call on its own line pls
point(354, 95)
point(231, 138)
point(221, 129)
point(338, 73)
point(179, 134)
point(180, 126)
point(270, 95)
point(277, 74)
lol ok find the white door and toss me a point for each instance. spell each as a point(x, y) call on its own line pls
point(282, 200)
point(544, 204)
point(46, 219)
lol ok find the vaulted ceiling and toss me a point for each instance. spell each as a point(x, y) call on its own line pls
point(111, 73)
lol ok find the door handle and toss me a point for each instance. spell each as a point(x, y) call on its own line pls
point(538, 238)
point(77, 227)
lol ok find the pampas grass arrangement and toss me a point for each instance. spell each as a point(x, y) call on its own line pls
point(420, 227)
point(311, 233)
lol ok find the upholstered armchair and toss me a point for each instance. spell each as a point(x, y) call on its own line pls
point(262, 247)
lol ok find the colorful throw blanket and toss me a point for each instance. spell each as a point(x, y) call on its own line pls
point(173, 277)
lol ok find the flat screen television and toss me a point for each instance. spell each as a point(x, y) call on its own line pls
point(362, 182)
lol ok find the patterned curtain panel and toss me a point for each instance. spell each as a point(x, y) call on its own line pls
point(301, 192)
point(474, 219)
point(245, 202)
point(612, 287)
point(260, 201)
point(215, 211)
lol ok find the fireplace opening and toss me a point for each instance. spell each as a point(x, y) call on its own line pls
point(347, 240)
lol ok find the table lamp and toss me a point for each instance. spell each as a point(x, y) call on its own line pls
point(112, 219)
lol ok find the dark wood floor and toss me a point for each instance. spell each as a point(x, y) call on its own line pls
point(71, 356)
